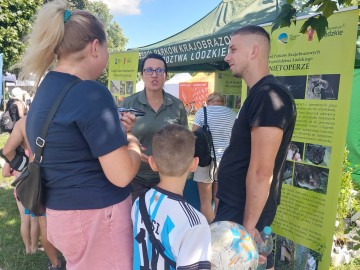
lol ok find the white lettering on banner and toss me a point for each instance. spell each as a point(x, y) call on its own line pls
point(199, 55)
point(190, 47)
point(175, 58)
point(197, 50)
point(208, 54)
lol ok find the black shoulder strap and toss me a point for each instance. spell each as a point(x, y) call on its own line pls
point(212, 141)
point(205, 116)
point(40, 141)
point(156, 242)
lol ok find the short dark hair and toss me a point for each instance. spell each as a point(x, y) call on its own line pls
point(252, 29)
point(173, 149)
point(153, 56)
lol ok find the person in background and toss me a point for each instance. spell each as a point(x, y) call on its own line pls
point(16, 108)
point(251, 168)
point(182, 230)
point(29, 223)
point(220, 120)
point(161, 109)
point(29, 226)
point(88, 160)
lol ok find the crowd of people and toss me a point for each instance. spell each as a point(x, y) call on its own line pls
point(115, 183)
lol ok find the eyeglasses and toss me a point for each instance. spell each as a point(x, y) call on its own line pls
point(150, 71)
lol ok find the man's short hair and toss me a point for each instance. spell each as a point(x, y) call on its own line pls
point(252, 29)
point(153, 56)
point(173, 149)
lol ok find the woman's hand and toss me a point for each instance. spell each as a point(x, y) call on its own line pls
point(128, 120)
point(131, 137)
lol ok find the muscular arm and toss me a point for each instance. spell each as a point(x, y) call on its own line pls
point(265, 143)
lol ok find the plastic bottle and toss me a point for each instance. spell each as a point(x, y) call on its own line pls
point(265, 246)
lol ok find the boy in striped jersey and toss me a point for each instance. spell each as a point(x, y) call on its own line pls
point(182, 230)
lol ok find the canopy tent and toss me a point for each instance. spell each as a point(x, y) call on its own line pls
point(172, 85)
point(203, 45)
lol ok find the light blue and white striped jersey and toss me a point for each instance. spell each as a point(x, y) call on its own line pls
point(182, 230)
point(220, 120)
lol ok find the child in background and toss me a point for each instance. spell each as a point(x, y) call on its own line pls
point(182, 230)
point(29, 226)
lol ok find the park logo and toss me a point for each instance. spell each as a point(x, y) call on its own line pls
point(310, 34)
point(283, 38)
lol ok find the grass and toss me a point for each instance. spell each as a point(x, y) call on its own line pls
point(12, 249)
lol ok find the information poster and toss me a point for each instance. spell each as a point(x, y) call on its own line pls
point(123, 69)
point(193, 94)
point(319, 75)
point(230, 87)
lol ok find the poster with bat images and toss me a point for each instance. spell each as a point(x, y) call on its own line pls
point(318, 74)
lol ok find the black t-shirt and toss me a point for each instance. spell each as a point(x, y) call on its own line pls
point(13, 109)
point(269, 104)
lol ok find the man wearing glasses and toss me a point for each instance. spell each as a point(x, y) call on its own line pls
point(160, 109)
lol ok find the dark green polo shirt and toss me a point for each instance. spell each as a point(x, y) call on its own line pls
point(172, 111)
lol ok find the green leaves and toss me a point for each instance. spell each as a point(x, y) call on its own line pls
point(286, 16)
point(15, 23)
point(328, 8)
point(317, 23)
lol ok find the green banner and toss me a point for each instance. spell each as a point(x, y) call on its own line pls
point(123, 69)
point(202, 50)
point(230, 87)
point(319, 75)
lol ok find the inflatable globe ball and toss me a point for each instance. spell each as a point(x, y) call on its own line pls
point(232, 247)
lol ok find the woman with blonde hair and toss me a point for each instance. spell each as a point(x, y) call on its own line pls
point(88, 160)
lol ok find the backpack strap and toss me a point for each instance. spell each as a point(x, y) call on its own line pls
point(206, 126)
point(155, 242)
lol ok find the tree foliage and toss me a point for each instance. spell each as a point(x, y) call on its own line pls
point(16, 17)
point(115, 36)
point(319, 22)
point(78, 4)
point(15, 23)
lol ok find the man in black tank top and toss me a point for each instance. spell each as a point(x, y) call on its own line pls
point(251, 168)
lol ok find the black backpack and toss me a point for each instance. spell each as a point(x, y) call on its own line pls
point(6, 123)
point(204, 144)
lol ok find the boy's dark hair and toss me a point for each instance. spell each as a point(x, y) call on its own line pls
point(153, 56)
point(173, 149)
